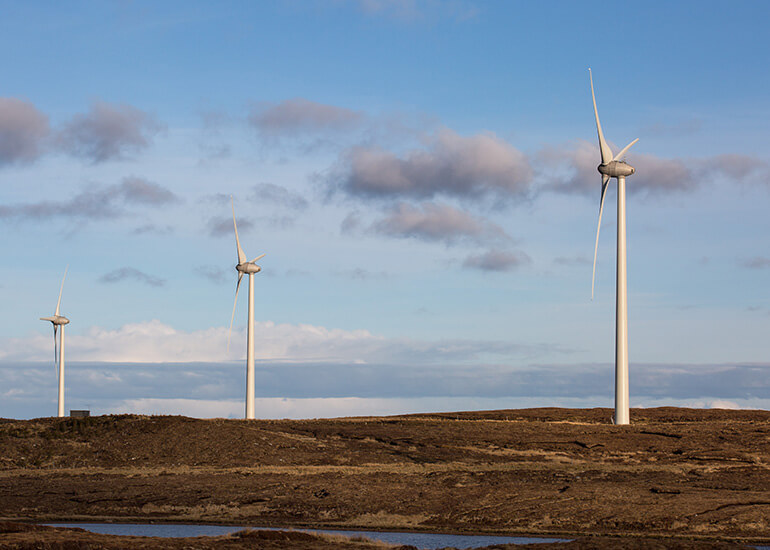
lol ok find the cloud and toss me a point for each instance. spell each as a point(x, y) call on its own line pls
point(156, 342)
point(23, 131)
point(361, 274)
point(722, 404)
point(351, 224)
point(572, 260)
point(153, 229)
point(496, 260)
point(96, 202)
point(277, 195)
point(141, 191)
point(295, 117)
point(450, 164)
point(318, 389)
point(736, 167)
point(212, 273)
point(437, 222)
point(131, 274)
point(572, 169)
point(108, 132)
point(221, 227)
point(757, 262)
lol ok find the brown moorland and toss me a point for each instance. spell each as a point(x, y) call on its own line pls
point(682, 474)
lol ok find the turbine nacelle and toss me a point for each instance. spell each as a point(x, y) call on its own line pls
point(248, 268)
point(616, 169)
point(56, 319)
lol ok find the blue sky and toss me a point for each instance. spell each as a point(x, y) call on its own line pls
point(421, 176)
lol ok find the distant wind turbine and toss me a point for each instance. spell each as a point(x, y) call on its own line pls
point(59, 321)
point(616, 167)
point(249, 268)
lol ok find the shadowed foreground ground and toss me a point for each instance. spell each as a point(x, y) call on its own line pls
point(700, 474)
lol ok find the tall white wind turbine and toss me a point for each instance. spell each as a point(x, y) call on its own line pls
point(616, 167)
point(249, 268)
point(59, 321)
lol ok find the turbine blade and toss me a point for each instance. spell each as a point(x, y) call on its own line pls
point(257, 258)
point(241, 255)
point(229, 332)
point(58, 304)
point(605, 180)
point(624, 150)
point(604, 148)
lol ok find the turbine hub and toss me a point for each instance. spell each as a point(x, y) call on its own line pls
point(248, 268)
point(615, 169)
point(56, 319)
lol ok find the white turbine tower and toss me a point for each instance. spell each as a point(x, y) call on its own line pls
point(249, 268)
point(616, 167)
point(59, 321)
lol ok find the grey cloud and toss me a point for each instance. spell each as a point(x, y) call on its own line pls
point(103, 387)
point(275, 194)
point(437, 222)
point(212, 273)
point(298, 116)
point(131, 274)
point(108, 132)
point(351, 224)
point(220, 227)
point(141, 191)
point(96, 202)
point(152, 229)
point(496, 260)
point(214, 152)
point(737, 168)
point(574, 170)
point(572, 260)
point(465, 167)
point(23, 130)
point(757, 262)
point(361, 274)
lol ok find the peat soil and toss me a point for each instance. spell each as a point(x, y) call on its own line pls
point(687, 475)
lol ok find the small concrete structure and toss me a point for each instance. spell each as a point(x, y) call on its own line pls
point(79, 413)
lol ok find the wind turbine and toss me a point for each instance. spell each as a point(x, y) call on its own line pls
point(59, 321)
point(249, 268)
point(616, 167)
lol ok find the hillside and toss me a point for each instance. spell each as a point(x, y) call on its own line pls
point(673, 472)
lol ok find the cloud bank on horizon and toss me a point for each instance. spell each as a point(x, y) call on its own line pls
point(435, 202)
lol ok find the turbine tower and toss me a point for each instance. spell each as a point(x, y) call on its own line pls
point(616, 167)
point(249, 268)
point(59, 321)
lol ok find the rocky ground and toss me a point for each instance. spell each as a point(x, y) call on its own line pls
point(697, 474)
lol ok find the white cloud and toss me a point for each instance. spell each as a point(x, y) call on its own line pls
point(156, 342)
